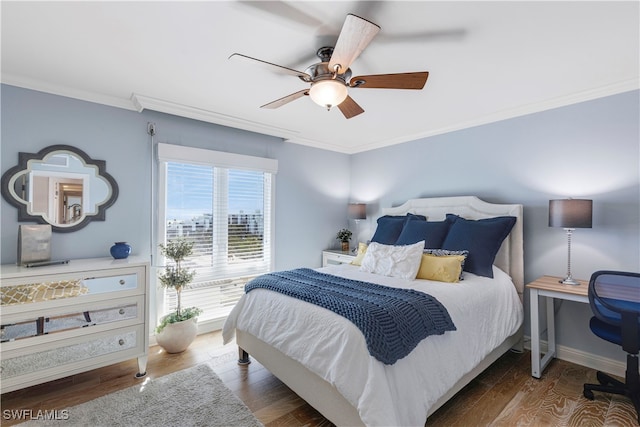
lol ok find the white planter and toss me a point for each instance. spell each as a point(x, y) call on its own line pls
point(176, 337)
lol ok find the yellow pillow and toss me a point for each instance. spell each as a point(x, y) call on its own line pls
point(441, 268)
point(362, 250)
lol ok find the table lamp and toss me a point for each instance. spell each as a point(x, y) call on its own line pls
point(570, 214)
point(357, 212)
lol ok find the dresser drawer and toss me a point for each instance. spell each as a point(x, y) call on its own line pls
point(43, 292)
point(32, 324)
point(66, 357)
point(336, 257)
point(99, 285)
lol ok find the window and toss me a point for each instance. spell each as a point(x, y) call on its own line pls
point(221, 202)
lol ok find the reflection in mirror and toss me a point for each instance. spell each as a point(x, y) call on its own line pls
point(64, 322)
point(61, 186)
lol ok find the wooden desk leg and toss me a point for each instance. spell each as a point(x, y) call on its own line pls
point(535, 333)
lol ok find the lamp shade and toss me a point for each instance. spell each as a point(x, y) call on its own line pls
point(357, 211)
point(570, 213)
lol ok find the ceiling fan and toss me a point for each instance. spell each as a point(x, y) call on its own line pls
point(331, 78)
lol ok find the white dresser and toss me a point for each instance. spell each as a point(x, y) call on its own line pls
point(64, 319)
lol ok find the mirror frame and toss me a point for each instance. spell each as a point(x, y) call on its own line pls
point(25, 216)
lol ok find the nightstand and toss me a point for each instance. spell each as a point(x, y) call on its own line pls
point(550, 288)
point(336, 256)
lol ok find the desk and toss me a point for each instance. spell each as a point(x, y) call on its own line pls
point(550, 288)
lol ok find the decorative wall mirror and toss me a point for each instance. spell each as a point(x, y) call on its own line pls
point(60, 185)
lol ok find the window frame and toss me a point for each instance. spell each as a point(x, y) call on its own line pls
point(198, 156)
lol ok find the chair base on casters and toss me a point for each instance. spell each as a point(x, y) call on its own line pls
point(631, 388)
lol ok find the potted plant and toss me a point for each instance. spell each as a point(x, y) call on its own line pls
point(344, 236)
point(178, 329)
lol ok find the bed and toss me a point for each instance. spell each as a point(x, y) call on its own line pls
point(323, 357)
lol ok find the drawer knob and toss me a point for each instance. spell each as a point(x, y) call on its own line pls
point(122, 282)
point(121, 311)
point(121, 341)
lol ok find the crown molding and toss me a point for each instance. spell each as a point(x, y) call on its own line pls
point(67, 92)
point(142, 102)
point(139, 102)
point(550, 104)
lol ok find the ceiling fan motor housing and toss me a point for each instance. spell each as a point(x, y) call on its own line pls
point(321, 71)
point(324, 53)
point(328, 88)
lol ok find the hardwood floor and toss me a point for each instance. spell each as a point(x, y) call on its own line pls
point(504, 395)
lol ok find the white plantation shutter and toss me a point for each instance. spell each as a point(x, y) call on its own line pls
point(223, 203)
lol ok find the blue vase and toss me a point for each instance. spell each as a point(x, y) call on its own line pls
point(120, 250)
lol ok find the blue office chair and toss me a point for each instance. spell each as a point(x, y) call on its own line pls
point(614, 297)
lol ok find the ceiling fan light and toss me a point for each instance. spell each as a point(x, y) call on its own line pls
point(328, 93)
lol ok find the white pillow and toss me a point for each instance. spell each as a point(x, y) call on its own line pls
point(394, 261)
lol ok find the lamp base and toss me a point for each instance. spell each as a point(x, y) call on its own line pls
point(569, 281)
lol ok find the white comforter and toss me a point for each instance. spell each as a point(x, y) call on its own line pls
point(485, 312)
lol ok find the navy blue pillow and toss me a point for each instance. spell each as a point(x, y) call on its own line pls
point(432, 232)
point(390, 227)
point(482, 238)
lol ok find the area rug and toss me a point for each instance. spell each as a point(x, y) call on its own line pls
point(191, 397)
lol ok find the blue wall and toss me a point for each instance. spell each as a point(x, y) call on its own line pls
point(588, 150)
point(312, 186)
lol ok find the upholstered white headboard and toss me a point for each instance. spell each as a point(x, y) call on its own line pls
point(510, 257)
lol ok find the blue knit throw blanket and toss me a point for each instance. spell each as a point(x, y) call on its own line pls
point(392, 320)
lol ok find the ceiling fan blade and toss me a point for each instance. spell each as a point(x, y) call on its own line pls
point(391, 81)
point(274, 67)
point(286, 99)
point(283, 10)
point(350, 108)
point(454, 34)
point(355, 36)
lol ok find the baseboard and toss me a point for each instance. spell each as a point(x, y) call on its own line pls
point(582, 358)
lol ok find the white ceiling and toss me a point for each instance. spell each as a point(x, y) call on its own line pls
point(487, 61)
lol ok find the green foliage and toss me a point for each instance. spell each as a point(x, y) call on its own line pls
point(186, 314)
point(344, 235)
point(177, 277)
point(177, 250)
